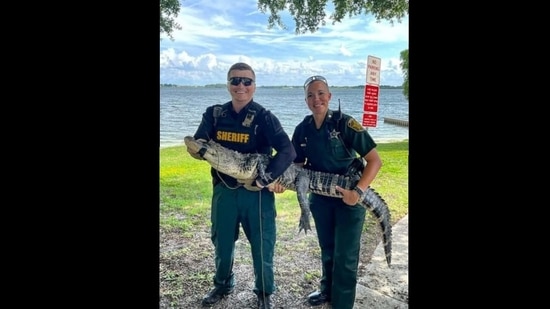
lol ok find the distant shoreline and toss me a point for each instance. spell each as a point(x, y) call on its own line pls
point(224, 85)
point(379, 141)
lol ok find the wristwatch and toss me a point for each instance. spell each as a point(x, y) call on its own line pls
point(361, 192)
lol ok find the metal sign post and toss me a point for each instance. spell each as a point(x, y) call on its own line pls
point(372, 88)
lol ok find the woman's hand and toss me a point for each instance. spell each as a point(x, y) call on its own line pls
point(350, 197)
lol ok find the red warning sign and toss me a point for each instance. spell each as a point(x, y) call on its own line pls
point(370, 104)
point(369, 120)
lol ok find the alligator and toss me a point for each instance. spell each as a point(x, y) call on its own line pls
point(245, 167)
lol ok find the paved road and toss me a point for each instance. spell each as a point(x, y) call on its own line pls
point(382, 287)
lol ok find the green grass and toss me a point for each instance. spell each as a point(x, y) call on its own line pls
point(186, 188)
point(186, 252)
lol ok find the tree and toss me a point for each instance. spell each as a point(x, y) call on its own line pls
point(308, 15)
point(405, 68)
point(169, 10)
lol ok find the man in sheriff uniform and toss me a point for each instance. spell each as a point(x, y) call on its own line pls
point(247, 127)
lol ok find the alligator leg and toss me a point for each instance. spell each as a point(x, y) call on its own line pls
point(302, 188)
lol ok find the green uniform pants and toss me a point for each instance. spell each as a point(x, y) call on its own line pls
point(339, 229)
point(255, 212)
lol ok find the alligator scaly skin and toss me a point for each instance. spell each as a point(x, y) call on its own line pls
point(246, 168)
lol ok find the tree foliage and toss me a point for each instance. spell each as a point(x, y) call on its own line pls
point(169, 10)
point(309, 15)
point(404, 56)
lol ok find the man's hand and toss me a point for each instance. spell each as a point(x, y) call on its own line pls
point(277, 188)
point(196, 155)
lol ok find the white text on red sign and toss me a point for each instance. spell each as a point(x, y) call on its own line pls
point(370, 103)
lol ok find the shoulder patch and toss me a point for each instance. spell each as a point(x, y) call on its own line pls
point(355, 125)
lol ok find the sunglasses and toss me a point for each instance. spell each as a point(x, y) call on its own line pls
point(314, 78)
point(235, 81)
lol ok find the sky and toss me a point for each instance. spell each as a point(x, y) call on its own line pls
point(217, 33)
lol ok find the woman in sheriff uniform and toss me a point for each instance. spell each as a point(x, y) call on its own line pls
point(245, 126)
point(329, 141)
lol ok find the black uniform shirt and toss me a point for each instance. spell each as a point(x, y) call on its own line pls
point(253, 130)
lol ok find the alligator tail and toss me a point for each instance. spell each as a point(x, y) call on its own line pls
point(377, 206)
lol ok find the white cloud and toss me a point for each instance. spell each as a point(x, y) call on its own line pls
point(215, 34)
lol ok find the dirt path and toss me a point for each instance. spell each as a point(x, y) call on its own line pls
point(186, 267)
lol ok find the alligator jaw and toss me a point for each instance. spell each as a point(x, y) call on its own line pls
point(243, 167)
point(193, 145)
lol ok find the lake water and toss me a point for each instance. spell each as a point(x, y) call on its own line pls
point(181, 109)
